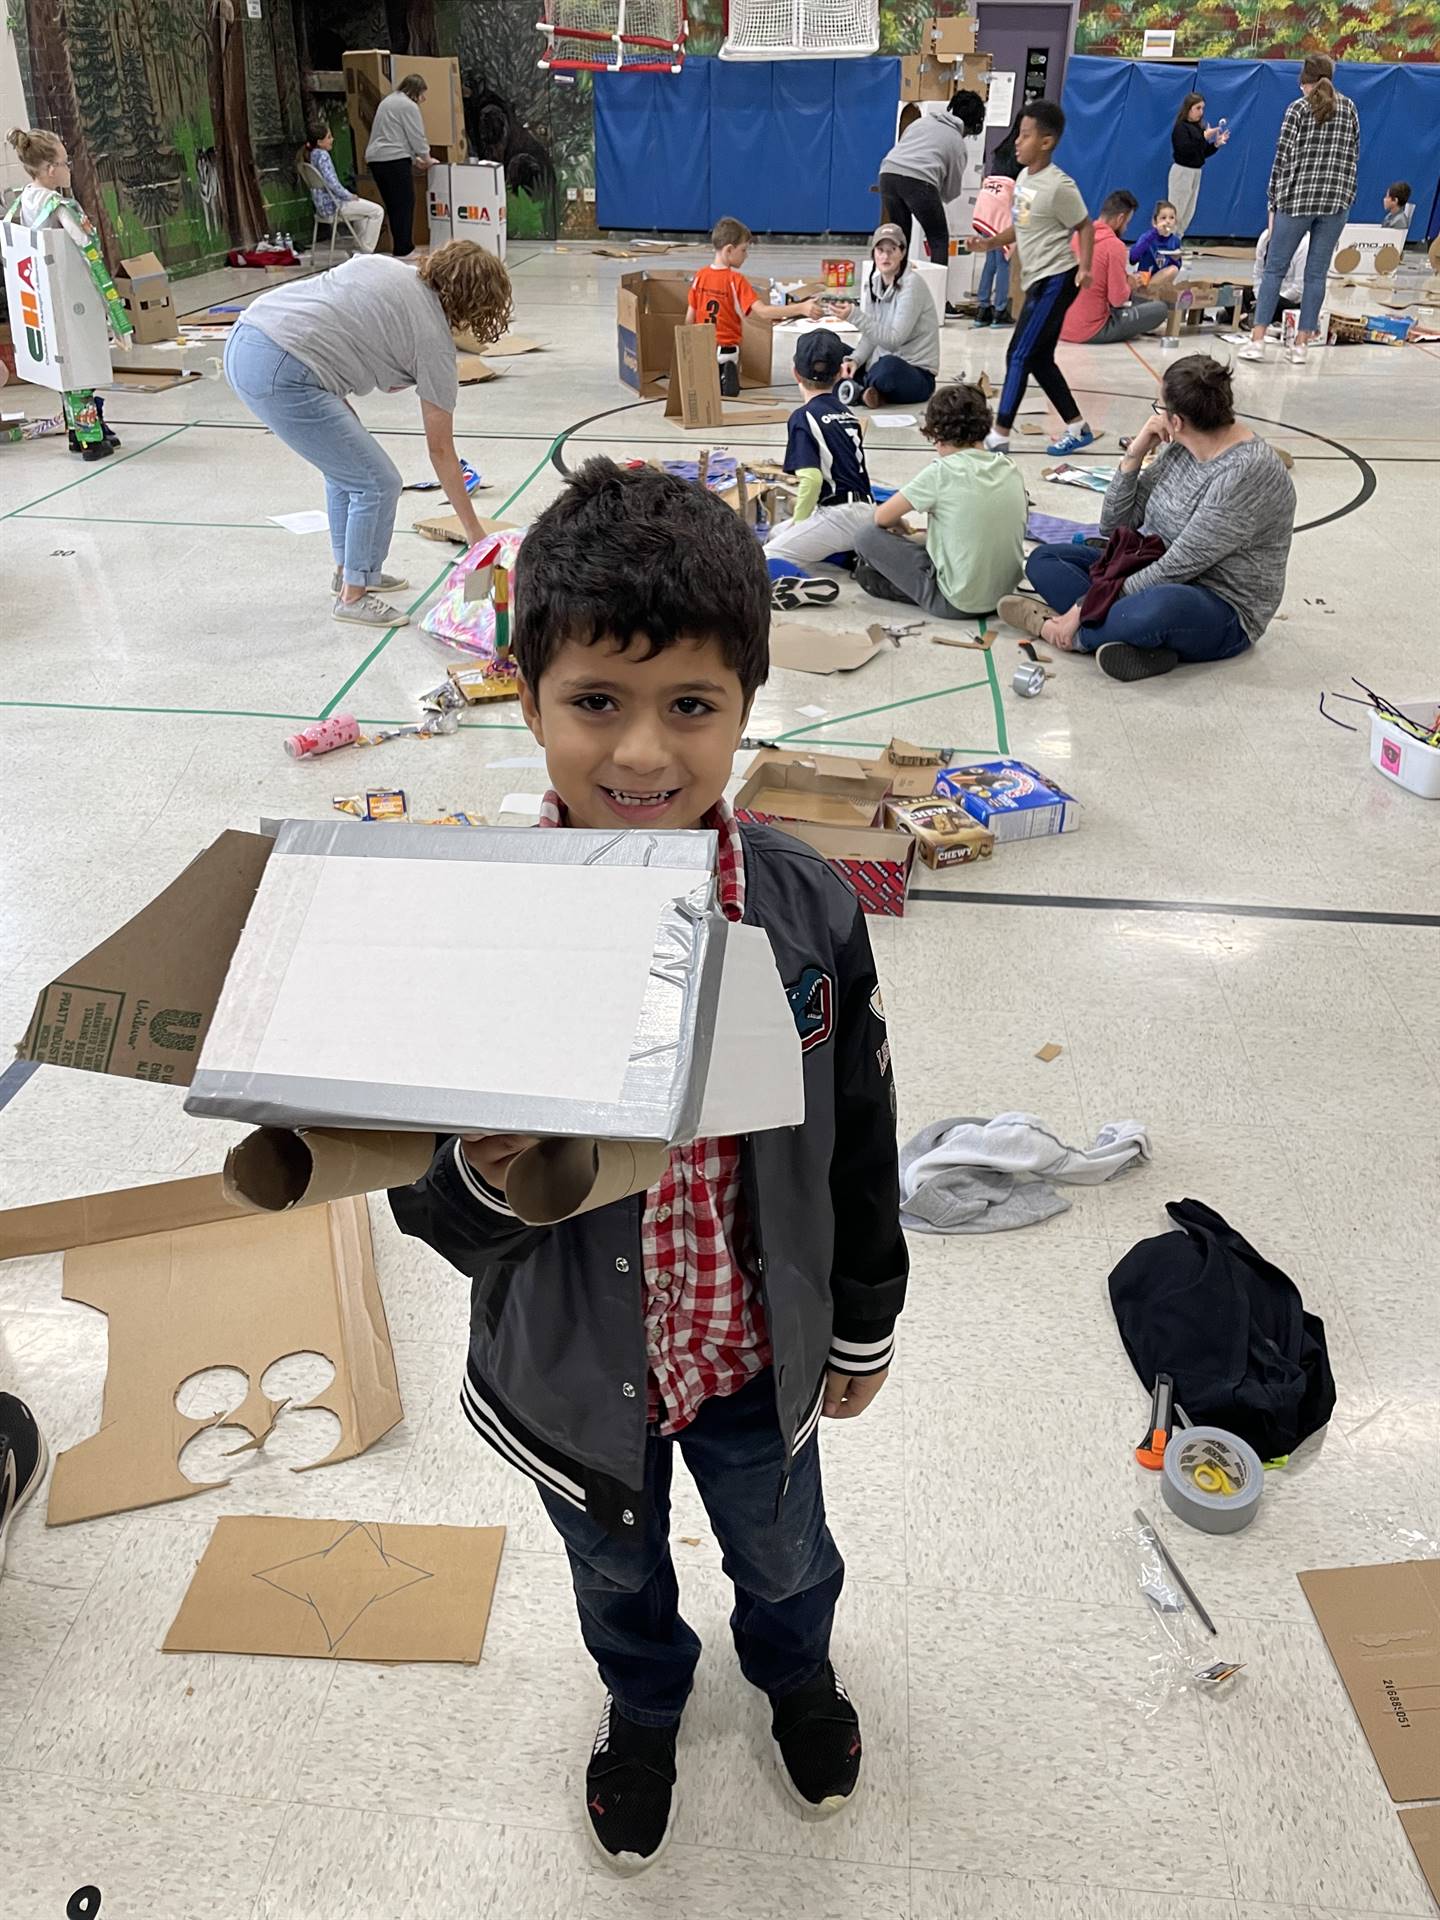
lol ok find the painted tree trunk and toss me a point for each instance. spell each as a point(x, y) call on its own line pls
point(52, 84)
point(240, 197)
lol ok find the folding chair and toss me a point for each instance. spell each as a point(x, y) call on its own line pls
point(314, 182)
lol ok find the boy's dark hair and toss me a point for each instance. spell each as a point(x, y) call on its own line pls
point(638, 554)
point(1199, 389)
point(1159, 208)
point(729, 232)
point(968, 108)
point(1046, 116)
point(958, 415)
point(1399, 192)
point(1120, 201)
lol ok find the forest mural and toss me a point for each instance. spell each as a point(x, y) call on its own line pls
point(183, 116)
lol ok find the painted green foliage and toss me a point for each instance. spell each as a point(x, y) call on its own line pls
point(1389, 30)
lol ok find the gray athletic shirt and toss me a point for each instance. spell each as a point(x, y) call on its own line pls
point(397, 131)
point(371, 323)
point(1226, 524)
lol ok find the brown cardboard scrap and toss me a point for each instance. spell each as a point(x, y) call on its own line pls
point(1346, 260)
point(140, 1004)
point(90, 1218)
point(1050, 1051)
point(239, 1293)
point(471, 370)
point(339, 1590)
point(1382, 1626)
point(803, 649)
point(1422, 1829)
point(446, 526)
point(1387, 259)
point(152, 379)
point(693, 397)
point(506, 345)
point(1433, 254)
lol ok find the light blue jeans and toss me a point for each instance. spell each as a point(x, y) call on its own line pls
point(362, 483)
point(995, 279)
point(1289, 230)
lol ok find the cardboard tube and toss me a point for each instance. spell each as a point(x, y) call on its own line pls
point(557, 1179)
point(274, 1169)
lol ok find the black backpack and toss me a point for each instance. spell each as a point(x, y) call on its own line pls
point(1205, 1307)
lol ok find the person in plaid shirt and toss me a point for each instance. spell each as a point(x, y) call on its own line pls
point(754, 1290)
point(1312, 189)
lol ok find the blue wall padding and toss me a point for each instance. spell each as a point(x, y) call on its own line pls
point(1119, 113)
point(787, 146)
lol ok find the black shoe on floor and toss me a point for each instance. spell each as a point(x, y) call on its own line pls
point(630, 1790)
point(1124, 662)
point(98, 450)
point(985, 315)
point(23, 1460)
point(817, 1744)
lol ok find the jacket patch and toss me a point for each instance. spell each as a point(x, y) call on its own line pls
point(877, 1005)
point(812, 1001)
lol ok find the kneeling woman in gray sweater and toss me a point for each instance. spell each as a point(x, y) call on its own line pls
point(1224, 506)
point(898, 353)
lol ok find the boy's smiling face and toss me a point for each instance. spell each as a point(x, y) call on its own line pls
point(637, 742)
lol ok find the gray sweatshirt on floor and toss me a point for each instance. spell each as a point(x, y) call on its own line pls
point(899, 319)
point(1226, 524)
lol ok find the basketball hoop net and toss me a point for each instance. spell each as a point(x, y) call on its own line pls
point(800, 29)
point(613, 36)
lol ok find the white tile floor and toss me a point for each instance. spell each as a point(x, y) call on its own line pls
point(160, 637)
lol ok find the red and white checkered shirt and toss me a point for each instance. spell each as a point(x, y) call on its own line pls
point(705, 1332)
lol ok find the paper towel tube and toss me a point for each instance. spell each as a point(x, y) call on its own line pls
point(274, 1169)
point(556, 1179)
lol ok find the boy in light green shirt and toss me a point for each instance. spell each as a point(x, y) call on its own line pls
point(975, 500)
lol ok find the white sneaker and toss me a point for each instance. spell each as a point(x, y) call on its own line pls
point(387, 583)
point(1297, 354)
point(370, 611)
point(997, 442)
point(1255, 350)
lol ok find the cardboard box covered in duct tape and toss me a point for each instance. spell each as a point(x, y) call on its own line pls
point(297, 983)
point(649, 305)
point(833, 804)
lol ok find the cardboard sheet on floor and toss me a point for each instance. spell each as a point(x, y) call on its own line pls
point(802, 649)
point(446, 526)
point(151, 379)
point(340, 1590)
point(57, 1225)
point(239, 1293)
point(472, 371)
point(1382, 1626)
point(693, 397)
point(503, 348)
point(1422, 1829)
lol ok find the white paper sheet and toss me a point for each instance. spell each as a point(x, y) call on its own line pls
point(812, 713)
point(755, 1079)
point(1000, 100)
point(561, 953)
point(895, 419)
point(312, 522)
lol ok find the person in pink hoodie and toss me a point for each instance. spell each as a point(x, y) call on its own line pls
point(1106, 310)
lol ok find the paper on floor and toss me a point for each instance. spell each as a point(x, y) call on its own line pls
point(312, 522)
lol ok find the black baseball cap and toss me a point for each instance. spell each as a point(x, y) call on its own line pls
point(819, 356)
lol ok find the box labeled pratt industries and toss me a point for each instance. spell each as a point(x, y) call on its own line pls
point(1012, 800)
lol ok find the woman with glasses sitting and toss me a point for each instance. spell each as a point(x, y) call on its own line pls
point(1219, 508)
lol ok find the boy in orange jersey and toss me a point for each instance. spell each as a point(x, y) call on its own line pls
point(721, 297)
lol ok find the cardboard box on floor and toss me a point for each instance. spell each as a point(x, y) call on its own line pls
point(144, 286)
point(228, 983)
point(649, 306)
point(340, 1590)
point(833, 804)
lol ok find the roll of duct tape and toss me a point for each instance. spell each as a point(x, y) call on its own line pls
point(1211, 1480)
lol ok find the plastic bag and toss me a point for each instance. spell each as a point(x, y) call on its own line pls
point(469, 625)
point(1178, 1656)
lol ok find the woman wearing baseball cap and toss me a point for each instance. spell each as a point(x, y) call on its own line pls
point(897, 356)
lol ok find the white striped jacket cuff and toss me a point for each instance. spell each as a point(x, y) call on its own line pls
point(478, 1188)
point(861, 1356)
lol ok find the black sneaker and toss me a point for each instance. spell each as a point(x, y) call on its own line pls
point(630, 1790)
point(1124, 662)
point(23, 1460)
point(985, 315)
point(817, 1744)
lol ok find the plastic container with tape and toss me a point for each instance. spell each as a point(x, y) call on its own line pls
point(1401, 757)
point(1212, 1480)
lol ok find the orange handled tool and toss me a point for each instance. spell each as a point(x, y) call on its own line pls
point(1153, 1442)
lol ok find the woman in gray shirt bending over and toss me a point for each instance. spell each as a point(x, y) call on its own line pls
point(1224, 506)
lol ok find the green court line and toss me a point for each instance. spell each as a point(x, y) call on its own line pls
point(1001, 735)
point(121, 520)
point(865, 713)
point(97, 468)
point(203, 713)
point(385, 639)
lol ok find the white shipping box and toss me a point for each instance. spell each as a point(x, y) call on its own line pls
point(468, 203)
point(57, 315)
point(498, 981)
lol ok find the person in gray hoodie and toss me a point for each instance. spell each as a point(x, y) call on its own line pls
point(925, 169)
point(897, 356)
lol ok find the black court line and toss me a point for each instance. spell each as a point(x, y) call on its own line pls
point(1223, 909)
point(14, 1078)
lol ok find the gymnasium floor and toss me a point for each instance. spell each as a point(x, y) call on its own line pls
point(1239, 948)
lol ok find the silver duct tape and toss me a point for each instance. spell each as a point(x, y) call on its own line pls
point(1206, 1451)
point(574, 847)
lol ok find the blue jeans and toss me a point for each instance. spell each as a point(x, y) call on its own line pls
point(786, 1569)
point(1192, 621)
point(895, 379)
point(995, 280)
point(362, 483)
point(1289, 230)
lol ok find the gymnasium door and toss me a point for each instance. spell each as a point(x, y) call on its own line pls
point(1030, 42)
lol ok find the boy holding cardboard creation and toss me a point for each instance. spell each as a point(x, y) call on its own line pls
point(756, 1287)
